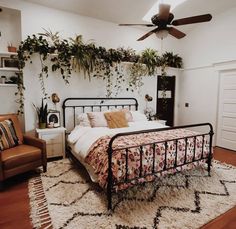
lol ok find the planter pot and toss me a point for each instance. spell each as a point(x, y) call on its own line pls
point(42, 125)
point(11, 49)
point(3, 80)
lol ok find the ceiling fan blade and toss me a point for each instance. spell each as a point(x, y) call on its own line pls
point(148, 25)
point(164, 11)
point(176, 33)
point(191, 20)
point(147, 34)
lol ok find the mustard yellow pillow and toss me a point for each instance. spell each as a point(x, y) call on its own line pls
point(116, 119)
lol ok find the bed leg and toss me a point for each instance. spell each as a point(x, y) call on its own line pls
point(209, 167)
point(209, 163)
point(211, 133)
point(109, 200)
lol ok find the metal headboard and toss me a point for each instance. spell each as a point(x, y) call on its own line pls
point(82, 105)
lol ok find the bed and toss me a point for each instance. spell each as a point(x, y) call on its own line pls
point(120, 158)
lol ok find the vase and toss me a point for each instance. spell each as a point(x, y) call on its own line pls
point(42, 125)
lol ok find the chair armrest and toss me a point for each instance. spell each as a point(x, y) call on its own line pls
point(39, 143)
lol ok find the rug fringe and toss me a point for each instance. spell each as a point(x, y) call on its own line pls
point(39, 215)
point(224, 163)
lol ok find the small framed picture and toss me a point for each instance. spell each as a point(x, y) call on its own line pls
point(8, 62)
point(53, 119)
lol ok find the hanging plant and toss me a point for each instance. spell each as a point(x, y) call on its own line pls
point(172, 60)
point(84, 57)
point(128, 55)
point(136, 72)
point(150, 58)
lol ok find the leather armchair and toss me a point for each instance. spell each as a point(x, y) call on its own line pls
point(28, 155)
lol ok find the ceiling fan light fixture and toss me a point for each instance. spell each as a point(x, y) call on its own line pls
point(161, 34)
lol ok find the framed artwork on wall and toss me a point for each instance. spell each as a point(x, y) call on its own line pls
point(8, 62)
point(53, 119)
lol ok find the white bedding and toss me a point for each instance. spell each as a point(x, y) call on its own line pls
point(81, 138)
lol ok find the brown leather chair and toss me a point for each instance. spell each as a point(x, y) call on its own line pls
point(28, 155)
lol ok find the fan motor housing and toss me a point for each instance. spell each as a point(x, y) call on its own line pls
point(161, 23)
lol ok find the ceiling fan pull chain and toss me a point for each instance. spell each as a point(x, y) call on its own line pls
point(161, 46)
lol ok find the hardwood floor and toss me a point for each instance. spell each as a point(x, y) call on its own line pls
point(14, 201)
point(227, 220)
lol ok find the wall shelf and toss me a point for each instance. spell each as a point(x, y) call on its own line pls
point(7, 85)
point(9, 69)
point(8, 53)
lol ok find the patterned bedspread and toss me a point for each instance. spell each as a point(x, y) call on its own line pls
point(98, 156)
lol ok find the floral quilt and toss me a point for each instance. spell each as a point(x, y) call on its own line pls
point(98, 156)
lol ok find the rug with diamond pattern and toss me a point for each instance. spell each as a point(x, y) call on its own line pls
point(64, 197)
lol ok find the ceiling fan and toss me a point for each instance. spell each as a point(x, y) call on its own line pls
point(165, 18)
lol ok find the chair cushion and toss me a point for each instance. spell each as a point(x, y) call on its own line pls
point(20, 155)
point(8, 138)
point(16, 123)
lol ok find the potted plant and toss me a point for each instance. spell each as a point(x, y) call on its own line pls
point(172, 60)
point(11, 48)
point(42, 115)
point(150, 58)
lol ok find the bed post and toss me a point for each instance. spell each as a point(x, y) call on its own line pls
point(211, 133)
point(109, 177)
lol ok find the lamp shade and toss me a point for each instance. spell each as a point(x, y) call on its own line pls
point(162, 34)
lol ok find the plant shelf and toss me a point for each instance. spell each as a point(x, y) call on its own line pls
point(7, 85)
point(8, 53)
point(9, 69)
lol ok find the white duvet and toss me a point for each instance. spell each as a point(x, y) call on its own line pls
point(81, 138)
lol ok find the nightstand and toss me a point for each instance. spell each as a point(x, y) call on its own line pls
point(55, 140)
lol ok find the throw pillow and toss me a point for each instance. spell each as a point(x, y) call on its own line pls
point(116, 119)
point(8, 137)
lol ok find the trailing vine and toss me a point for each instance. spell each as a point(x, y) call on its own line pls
point(65, 56)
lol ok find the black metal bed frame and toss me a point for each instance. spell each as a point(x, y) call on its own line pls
point(110, 182)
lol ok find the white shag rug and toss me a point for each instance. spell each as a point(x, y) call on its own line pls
point(63, 198)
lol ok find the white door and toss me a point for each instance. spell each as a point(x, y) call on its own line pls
point(226, 126)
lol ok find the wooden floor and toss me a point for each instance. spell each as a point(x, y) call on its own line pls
point(14, 201)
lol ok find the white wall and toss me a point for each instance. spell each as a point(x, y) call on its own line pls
point(7, 99)
point(10, 28)
point(209, 43)
point(110, 35)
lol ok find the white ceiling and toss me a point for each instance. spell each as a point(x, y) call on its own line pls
point(117, 11)
point(132, 11)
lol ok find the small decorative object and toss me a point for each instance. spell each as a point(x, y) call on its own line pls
point(11, 48)
point(53, 119)
point(55, 99)
point(148, 98)
point(3, 79)
point(9, 62)
point(148, 111)
point(42, 115)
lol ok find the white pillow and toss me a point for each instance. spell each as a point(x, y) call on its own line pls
point(97, 119)
point(138, 116)
point(82, 120)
